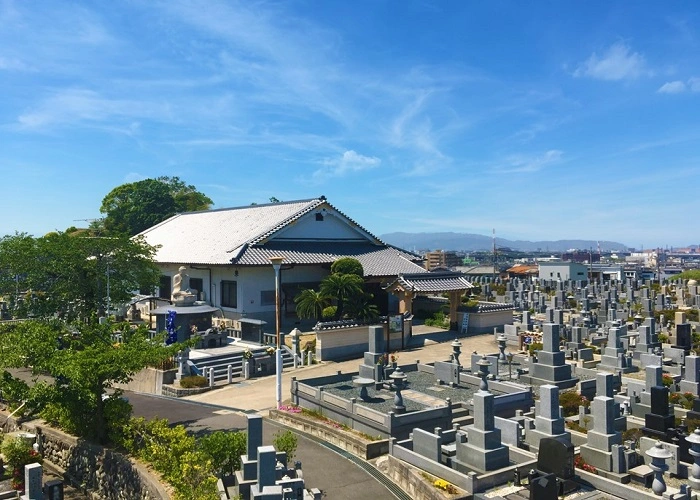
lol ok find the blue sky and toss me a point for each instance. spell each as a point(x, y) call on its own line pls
point(543, 120)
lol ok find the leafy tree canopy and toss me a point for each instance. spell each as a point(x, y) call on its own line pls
point(136, 206)
point(83, 361)
point(347, 265)
point(66, 273)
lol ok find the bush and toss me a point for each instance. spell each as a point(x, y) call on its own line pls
point(438, 319)
point(193, 381)
point(570, 401)
point(224, 449)
point(329, 312)
point(287, 442)
point(18, 453)
point(663, 338)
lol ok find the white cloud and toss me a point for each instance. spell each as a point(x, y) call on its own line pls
point(349, 162)
point(694, 84)
point(617, 63)
point(675, 87)
point(531, 163)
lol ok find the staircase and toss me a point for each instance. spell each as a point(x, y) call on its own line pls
point(460, 415)
point(221, 363)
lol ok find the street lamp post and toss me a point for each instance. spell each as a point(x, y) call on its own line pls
point(277, 265)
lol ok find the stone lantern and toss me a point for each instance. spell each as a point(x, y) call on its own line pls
point(694, 440)
point(483, 364)
point(456, 351)
point(501, 339)
point(658, 455)
point(398, 378)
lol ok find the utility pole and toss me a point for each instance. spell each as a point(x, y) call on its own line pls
point(494, 255)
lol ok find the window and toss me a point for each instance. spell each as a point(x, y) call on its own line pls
point(196, 284)
point(267, 298)
point(165, 287)
point(229, 294)
point(319, 217)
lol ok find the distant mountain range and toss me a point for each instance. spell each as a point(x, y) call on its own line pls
point(467, 242)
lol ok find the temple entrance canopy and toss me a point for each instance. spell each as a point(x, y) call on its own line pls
point(407, 286)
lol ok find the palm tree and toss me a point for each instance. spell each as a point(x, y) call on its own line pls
point(342, 287)
point(310, 304)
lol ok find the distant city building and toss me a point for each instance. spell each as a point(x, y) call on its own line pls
point(442, 259)
point(581, 257)
point(563, 271)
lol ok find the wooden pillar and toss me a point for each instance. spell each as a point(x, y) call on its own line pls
point(455, 297)
point(405, 301)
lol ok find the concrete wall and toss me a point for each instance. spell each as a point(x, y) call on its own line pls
point(484, 322)
point(352, 342)
point(149, 381)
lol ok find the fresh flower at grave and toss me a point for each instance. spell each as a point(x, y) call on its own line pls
point(290, 409)
point(394, 357)
point(194, 329)
point(270, 351)
point(383, 360)
point(247, 354)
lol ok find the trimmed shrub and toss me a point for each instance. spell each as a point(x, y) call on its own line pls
point(193, 381)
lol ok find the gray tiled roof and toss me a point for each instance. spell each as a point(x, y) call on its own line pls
point(376, 260)
point(434, 282)
point(217, 236)
point(245, 236)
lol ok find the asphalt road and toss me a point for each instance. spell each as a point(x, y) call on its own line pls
point(336, 476)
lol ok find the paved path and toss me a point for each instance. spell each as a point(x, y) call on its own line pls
point(427, 345)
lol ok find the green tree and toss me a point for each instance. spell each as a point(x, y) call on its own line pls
point(68, 273)
point(224, 449)
point(342, 287)
point(83, 363)
point(186, 196)
point(136, 206)
point(310, 304)
point(347, 265)
point(287, 442)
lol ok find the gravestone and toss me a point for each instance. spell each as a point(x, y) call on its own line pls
point(484, 450)
point(551, 367)
point(614, 358)
point(33, 482)
point(548, 418)
point(369, 368)
point(660, 419)
point(556, 456)
point(691, 376)
point(597, 450)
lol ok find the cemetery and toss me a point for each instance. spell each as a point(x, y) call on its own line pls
point(491, 429)
point(593, 390)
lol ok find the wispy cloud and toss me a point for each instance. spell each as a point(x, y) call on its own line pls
point(530, 163)
point(618, 62)
point(679, 86)
point(675, 87)
point(79, 106)
point(349, 162)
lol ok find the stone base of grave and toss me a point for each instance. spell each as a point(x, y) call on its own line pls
point(533, 438)
point(482, 461)
point(610, 364)
point(601, 460)
point(623, 478)
point(562, 384)
point(692, 387)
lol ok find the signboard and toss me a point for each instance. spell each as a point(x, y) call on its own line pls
point(396, 324)
point(465, 323)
